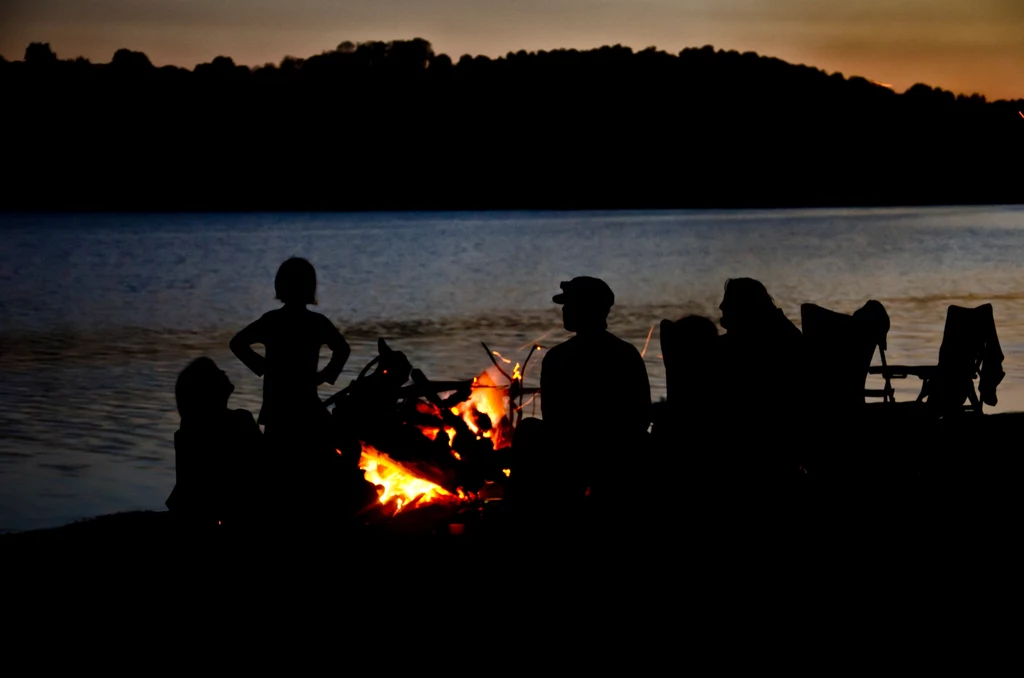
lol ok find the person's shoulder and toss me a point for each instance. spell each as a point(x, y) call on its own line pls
point(241, 414)
point(622, 345)
point(320, 319)
point(565, 348)
point(271, 317)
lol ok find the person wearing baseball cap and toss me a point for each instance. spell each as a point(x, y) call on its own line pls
point(595, 393)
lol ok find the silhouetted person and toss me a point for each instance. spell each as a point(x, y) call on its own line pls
point(218, 452)
point(292, 413)
point(595, 394)
point(761, 367)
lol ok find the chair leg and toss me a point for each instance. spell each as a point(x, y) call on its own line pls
point(925, 390)
point(972, 397)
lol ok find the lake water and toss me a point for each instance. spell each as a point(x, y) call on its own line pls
point(99, 313)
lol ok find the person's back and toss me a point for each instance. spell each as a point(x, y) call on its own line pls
point(595, 386)
point(761, 353)
point(218, 452)
point(292, 336)
point(595, 393)
point(762, 367)
point(216, 462)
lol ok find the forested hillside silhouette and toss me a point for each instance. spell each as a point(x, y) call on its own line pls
point(393, 125)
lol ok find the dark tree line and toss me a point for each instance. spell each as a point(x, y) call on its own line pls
point(395, 126)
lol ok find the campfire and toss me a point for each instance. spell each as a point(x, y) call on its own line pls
point(446, 443)
point(402, 489)
point(485, 412)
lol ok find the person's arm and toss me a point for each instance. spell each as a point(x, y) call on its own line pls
point(340, 352)
point(241, 346)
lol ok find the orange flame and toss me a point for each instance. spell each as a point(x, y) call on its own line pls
point(399, 483)
point(487, 399)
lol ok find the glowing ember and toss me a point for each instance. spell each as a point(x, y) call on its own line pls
point(432, 432)
point(648, 342)
point(398, 482)
point(502, 358)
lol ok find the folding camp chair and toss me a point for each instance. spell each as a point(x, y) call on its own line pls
point(970, 348)
point(839, 349)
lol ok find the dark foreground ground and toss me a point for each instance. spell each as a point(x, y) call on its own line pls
point(879, 565)
point(881, 541)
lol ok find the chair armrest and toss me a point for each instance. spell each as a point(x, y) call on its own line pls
point(903, 371)
point(879, 392)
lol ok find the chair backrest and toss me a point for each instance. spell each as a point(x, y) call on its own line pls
point(963, 340)
point(839, 350)
point(687, 348)
point(968, 340)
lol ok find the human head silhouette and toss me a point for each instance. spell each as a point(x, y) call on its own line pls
point(202, 389)
point(586, 303)
point(746, 304)
point(695, 330)
point(296, 282)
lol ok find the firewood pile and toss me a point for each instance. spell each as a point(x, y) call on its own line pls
point(433, 449)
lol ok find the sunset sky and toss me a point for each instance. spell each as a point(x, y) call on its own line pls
point(962, 45)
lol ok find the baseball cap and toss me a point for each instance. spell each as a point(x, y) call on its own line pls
point(587, 290)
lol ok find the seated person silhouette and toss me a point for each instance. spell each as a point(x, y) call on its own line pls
point(595, 394)
point(760, 367)
point(217, 451)
point(292, 414)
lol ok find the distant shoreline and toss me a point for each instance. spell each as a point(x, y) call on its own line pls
point(57, 211)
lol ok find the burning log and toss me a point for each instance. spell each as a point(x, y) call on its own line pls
point(428, 443)
point(401, 485)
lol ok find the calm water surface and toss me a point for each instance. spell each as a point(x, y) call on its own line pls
point(98, 313)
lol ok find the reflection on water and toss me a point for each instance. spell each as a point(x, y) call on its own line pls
point(98, 313)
